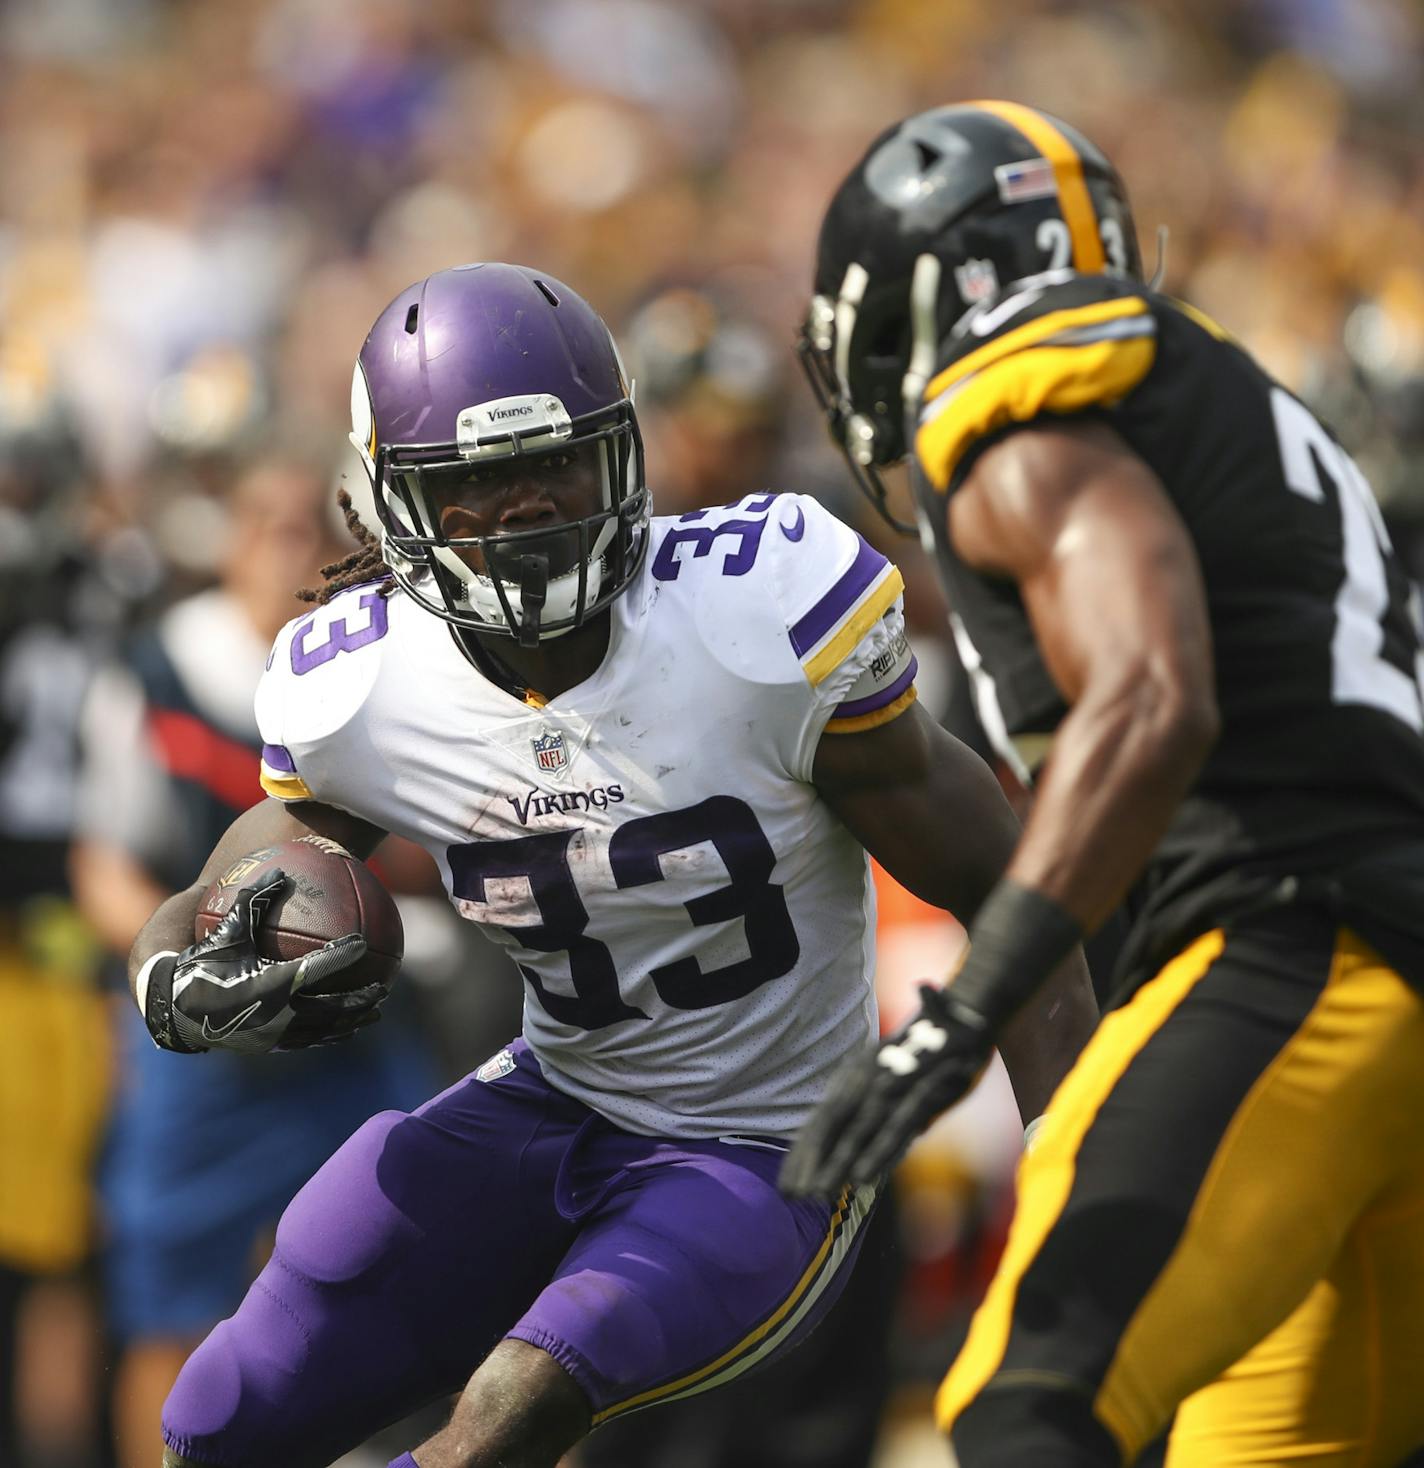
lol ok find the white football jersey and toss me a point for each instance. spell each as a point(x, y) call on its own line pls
point(694, 926)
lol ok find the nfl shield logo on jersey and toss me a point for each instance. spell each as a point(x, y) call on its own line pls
point(549, 753)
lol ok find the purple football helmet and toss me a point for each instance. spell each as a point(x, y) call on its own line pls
point(483, 363)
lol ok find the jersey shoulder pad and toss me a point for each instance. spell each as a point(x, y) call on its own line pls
point(1058, 345)
point(1198, 318)
point(785, 589)
point(320, 673)
point(832, 588)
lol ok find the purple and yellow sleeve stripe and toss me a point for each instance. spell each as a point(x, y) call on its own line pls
point(877, 708)
point(827, 634)
point(279, 776)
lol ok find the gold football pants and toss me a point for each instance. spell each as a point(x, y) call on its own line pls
point(1223, 1214)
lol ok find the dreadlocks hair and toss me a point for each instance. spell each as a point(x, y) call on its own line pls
point(364, 565)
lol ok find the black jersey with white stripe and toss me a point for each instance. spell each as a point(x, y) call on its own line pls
point(1318, 773)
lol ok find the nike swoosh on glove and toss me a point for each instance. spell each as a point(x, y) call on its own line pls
point(880, 1102)
point(221, 993)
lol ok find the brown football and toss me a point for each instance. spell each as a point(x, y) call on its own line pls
point(330, 894)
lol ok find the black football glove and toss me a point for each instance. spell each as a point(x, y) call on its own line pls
point(222, 994)
point(880, 1102)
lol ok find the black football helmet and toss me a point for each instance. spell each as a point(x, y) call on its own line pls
point(943, 214)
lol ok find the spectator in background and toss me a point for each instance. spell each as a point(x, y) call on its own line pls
point(54, 607)
point(711, 386)
point(197, 192)
point(199, 1167)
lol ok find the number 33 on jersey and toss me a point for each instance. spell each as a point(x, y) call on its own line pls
point(689, 918)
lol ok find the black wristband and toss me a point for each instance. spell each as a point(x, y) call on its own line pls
point(1018, 938)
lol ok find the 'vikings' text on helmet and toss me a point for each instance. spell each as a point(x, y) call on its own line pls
point(479, 364)
point(944, 212)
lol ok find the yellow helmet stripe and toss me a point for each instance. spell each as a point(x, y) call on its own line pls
point(1073, 197)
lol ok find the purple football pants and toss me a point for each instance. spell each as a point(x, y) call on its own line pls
point(648, 1269)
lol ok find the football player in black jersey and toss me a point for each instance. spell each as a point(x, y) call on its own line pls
point(1159, 557)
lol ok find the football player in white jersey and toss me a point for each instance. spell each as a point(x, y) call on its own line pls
point(649, 756)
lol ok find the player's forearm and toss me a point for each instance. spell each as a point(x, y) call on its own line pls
point(169, 930)
point(1041, 1042)
point(1121, 764)
point(1120, 767)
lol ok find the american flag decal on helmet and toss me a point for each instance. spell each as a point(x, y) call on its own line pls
point(1033, 178)
point(549, 752)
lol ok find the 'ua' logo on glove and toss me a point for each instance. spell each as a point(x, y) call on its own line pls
point(922, 1036)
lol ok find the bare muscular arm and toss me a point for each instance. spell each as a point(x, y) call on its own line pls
point(1112, 586)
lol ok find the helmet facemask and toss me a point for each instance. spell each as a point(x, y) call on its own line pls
point(529, 584)
point(854, 351)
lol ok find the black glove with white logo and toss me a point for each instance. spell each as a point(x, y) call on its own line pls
point(221, 993)
point(880, 1102)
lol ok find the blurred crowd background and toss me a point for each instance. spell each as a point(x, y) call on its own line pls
point(203, 206)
